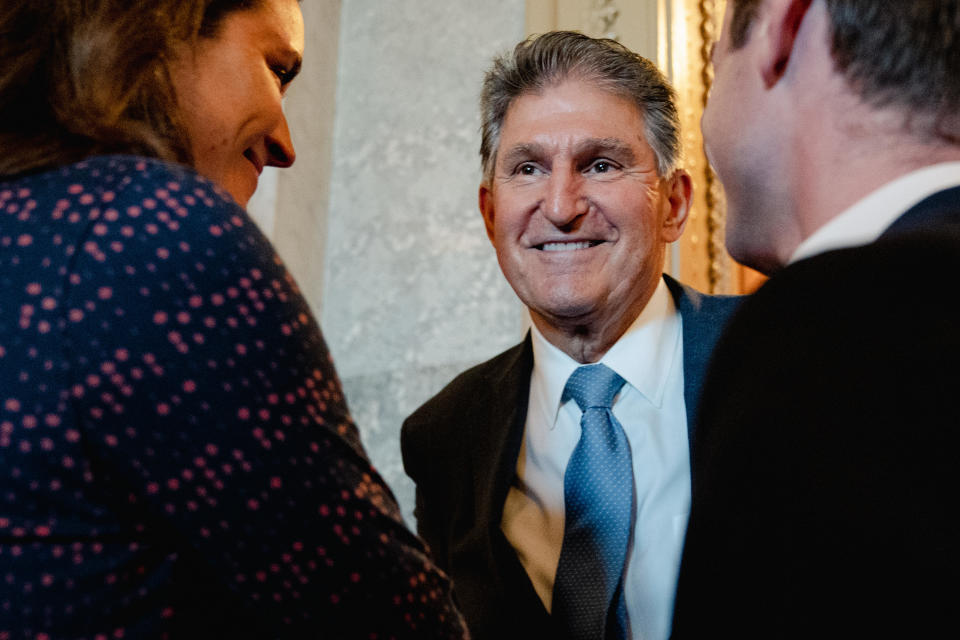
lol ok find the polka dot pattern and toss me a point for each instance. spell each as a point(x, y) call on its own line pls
point(598, 504)
point(176, 456)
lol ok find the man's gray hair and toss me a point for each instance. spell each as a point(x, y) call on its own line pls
point(547, 60)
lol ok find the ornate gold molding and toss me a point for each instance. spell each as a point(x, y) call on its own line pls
point(718, 260)
point(702, 259)
point(725, 275)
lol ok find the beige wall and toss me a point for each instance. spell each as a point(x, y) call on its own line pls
point(291, 205)
point(632, 22)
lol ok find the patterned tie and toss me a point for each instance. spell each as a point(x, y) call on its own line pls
point(598, 502)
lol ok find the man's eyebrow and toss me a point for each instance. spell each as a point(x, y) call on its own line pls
point(520, 152)
point(615, 147)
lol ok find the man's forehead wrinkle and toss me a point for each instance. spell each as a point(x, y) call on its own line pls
point(525, 149)
point(579, 148)
point(612, 146)
point(521, 151)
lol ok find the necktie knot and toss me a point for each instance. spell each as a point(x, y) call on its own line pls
point(593, 386)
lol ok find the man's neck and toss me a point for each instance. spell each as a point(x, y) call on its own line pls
point(586, 339)
point(872, 215)
point(584, 343)
point(848, 157)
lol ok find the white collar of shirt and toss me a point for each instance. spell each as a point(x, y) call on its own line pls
point(641, 356)
point(868, 218)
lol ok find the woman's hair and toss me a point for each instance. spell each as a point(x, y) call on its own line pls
point(85, 77)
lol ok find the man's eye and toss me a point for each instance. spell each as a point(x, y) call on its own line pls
point(527, 169)
point(601, 166)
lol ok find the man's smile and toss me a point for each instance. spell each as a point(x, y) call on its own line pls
point(572, 245)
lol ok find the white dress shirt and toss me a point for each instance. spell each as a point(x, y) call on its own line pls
point(649, 356)
point(870, 216)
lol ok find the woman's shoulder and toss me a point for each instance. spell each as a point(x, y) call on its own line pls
point(123, 177)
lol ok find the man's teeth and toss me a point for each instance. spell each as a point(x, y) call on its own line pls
point(566, 246)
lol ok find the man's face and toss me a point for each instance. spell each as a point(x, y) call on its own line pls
point(741, 133)
point(723, 125)
point(576, 210)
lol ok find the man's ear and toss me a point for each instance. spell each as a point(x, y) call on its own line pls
point(485, 200)
point(679, 194)
point(781, 25)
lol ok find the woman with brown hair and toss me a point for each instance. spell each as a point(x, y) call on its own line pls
point(176, 456)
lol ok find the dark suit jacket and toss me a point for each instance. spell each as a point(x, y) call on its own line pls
point(461, 449)
point(824, 474)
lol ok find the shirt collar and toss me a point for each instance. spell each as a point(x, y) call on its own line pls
point(869, 217)
point(642, 356)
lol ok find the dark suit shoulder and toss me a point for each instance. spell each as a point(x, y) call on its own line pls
point(469, 388)
point(845, 325)
point(848, 284)
point(704, 318)
point(439, 431)
point(461, 449)
point(826, 447)
point(689, 299)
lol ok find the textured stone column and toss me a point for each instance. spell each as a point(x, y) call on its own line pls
point(412, 293)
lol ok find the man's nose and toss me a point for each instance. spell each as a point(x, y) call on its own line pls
point(280, 151)
point(565, 200)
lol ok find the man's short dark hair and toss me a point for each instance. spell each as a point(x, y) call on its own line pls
point(902, 53)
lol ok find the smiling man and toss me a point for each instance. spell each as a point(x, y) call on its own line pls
point(556, 520)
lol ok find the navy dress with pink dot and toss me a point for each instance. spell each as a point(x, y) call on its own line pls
point(176, 456)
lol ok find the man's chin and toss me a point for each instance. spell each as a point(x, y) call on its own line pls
point(566, 312)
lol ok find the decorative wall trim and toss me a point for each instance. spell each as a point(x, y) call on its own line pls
point(603, 19)
point(718, 273)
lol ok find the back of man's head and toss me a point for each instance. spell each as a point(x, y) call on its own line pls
point(547, 60)
point(894, 53)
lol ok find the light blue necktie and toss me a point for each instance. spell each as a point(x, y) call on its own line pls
point(598, 504)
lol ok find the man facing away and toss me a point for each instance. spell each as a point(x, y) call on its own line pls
point(556, 494)
point(825, 482)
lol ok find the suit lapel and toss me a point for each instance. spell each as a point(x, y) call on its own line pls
point(703, 318)
point(496, 441)
point(495, 449)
